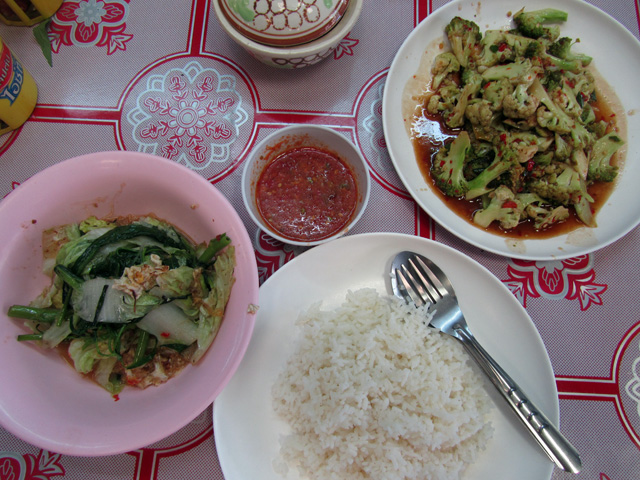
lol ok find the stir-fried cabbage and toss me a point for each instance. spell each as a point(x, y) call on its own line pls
point(131, 301)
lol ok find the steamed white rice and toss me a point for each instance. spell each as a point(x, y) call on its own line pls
point(371, 392)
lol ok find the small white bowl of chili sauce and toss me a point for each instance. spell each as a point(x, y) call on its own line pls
point(305, 185)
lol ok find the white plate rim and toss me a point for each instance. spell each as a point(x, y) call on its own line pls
point(603, 30)
point(245, 427)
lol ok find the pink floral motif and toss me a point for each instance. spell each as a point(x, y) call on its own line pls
point(44, 466)
point(345, 47)
point(89, 23)
point(271, 254)
point(12, 467)
point(14, 185)
point(573, 278)
point(190, 115)
point(373, 125)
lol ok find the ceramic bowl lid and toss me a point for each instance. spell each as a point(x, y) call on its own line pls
point(283, 23)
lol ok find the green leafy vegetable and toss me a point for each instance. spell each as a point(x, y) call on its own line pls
point(41, 33)
point(132, 303)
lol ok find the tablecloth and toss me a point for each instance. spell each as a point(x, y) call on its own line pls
point(118, 67)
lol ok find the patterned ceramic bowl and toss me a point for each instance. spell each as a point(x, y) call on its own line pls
point(296, 56)
point(283, 23)
point(334, 189)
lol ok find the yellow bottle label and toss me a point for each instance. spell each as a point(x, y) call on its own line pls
point(18, 91)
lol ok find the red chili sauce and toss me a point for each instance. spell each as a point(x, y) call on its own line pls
point(306, 194)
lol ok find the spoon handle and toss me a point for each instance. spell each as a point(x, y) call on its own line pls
point(554, 444)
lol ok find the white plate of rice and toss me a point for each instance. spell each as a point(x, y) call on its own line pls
point(348, 279)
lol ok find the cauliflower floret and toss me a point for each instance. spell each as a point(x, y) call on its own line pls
point(520, 104)
point(481, 115)
point(444, 64)
point(495, 91)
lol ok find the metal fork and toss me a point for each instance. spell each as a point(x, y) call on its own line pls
point(417, 280)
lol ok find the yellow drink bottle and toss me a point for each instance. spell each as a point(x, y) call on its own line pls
point(18, 91)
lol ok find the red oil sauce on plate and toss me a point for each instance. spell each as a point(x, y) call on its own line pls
point(306, 194)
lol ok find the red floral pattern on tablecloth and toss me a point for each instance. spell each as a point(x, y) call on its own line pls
point(14, 185)
point(372, 125)
point(43, 466)
point(345, 47)
point(89, 23)
point(191, 115)
point(271, 254)
point(633, 386)
point(570, 279)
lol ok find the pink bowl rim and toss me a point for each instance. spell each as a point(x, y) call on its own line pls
point(177, 402)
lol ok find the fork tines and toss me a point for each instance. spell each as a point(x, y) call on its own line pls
point(419, 282)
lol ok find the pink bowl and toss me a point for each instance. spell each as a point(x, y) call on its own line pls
point(42, 399)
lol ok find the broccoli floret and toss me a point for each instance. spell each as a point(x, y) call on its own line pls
point(495, 49)
point(561, 48)
point(581, 137)
point(544, 216)
point(541, 212)
point(524, 46)
point(564, 98)
point(447, 168)
point(444, 100)
point(582, 84)
point(520, 104)
point(464, 37)
point(480, 184)
point(561, 184)
point(525, 145)
point(552, 79)
point(479, 112)
point(584, 212)
point(539, 51)
point(515, 177)
point(588, 115)
point(515, 72)
point(562, 148)
point(482, 118)
point(470, 76)
point(580, 162)
point(534, 24)
point(543, 159)
point(599, 128)
point(495, 92)
point(600, 167)
point(472, 83)
point(479, 158)
point(573, 66)
point(444, 64)
point(502, 207)
point(553, 118)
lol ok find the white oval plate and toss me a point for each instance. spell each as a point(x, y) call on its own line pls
point(246, 429)
point(599, 35)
